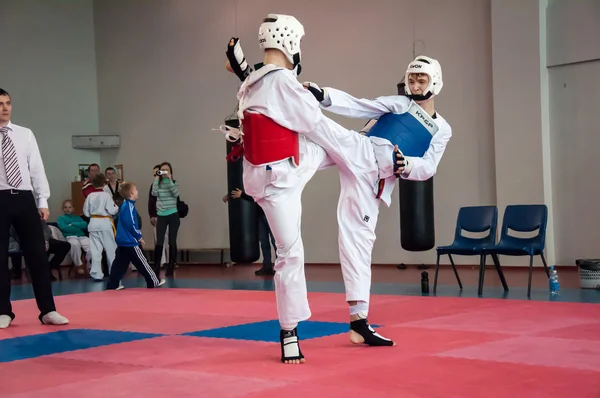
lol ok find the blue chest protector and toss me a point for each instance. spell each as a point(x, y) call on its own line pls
point(411, 131)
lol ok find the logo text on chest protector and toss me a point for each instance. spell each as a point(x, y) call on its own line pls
point(426, 121)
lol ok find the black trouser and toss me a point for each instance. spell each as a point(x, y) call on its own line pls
point(60, 249)
point(15, 259)
point(18, 208)
point(135, 256)
point(162, 222)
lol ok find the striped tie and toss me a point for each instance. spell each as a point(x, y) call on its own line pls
point(11, 162)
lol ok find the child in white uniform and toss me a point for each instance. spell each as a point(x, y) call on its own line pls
point(100, 207)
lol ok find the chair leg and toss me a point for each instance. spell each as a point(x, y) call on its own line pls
point(545, 265)
point(435, 278)
point(455, 272)
point(481, 274)
point(530, 272)
point(499, 270)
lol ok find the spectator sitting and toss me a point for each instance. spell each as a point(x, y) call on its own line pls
point(58, 248)
point(14, 252)
point(73, 228)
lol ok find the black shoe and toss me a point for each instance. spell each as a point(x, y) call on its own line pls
point(172, 260)
point(170, 270)
point(265, 271)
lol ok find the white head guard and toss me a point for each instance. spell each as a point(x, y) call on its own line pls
point(430, 67)
point(284, 33)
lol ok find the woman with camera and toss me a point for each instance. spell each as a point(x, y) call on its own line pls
point(166, 191)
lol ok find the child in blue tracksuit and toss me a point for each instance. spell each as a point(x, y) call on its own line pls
point(129, 242)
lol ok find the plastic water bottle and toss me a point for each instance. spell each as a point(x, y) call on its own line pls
point(553, 282)
point(424, 282)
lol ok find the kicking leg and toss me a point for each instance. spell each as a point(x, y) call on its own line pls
point(358, 212)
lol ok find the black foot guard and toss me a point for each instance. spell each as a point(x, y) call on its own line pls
point(290, 346)
point(371, 337)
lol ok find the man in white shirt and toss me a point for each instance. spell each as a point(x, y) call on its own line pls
point(21, 175)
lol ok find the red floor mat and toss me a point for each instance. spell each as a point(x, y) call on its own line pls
point(446, 347)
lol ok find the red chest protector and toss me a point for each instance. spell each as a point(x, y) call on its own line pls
point(268, 142)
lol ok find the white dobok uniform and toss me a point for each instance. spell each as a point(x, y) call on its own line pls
point(276, 93)
point(100, 207)
point(362, 161)
point(372, 160)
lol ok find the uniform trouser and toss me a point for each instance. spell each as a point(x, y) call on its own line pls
point(266, 238)
point(135, 256)
point(279, 191)
point(100, 240)
point(358, 206)
point(79, 243)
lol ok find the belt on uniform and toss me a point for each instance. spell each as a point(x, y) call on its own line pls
point(112, 221)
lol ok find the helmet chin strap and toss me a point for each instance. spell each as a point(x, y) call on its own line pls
point(419, 97)
point(297, 69)
point(297, 66)
point(414, 97)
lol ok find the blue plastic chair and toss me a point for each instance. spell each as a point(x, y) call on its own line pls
point(522, 218)
point(474, 219)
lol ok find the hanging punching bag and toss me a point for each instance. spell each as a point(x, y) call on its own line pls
point(417, 227)
point(243, 222)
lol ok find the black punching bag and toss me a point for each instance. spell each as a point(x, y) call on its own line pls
point(417, 227)
point(243, 223)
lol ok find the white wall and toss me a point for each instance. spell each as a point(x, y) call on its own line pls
point(49, 68)
point(574, 104)
point(160, 83)
point(574, 67)
point(162, 86)
point(573, 31)
point(521, 143)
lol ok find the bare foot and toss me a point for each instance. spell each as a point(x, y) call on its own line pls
point(290, 347)
point(294, 361)
point(356, 338)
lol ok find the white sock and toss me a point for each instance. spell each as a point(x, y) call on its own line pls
point(361, 309)
point(289, 326)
